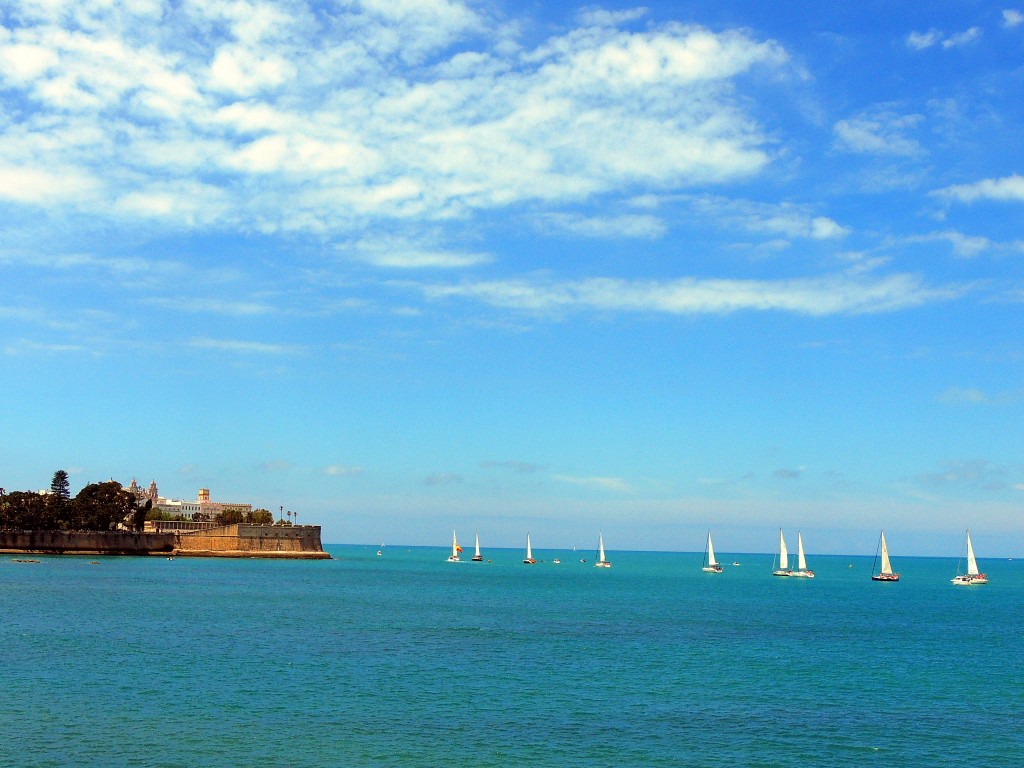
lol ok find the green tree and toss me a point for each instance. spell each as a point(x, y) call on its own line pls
point(229, 517)
point(60, 487)
point(101, 506)
point(22, 511)
point(262, 517)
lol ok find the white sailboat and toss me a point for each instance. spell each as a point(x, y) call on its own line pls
point(456, 549)
point(783, 569)
point(886, 572)
point(528, 560)
point(973, 576)
point(602, 561)
point(710, 564)
point(478, 558)
point(802, 570)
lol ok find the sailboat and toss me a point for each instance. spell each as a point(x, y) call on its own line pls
point(456, 549)
point(783, 569)
point(972, 576)
point(801, 562)
point(602, 561)
point(478, 558)
point(710, 564)
point(885, 574)
point(528, 560)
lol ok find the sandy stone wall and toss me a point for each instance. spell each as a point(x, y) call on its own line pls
point(86, 542)
point(293, 541)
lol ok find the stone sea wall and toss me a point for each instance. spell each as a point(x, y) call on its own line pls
point(86, 542)
point(292, 541)
point(288, 542)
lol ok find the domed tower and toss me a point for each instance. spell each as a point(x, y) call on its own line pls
point(153, 494)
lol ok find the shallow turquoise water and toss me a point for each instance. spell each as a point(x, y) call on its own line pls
point(408, 660)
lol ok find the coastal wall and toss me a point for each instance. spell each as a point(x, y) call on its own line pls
point(86, 542)
point(292, 542)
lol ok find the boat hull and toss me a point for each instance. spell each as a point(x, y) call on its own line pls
point(969, 581)
point(603, 564)
point(803, 574)
point(712, 569)
point(885, 577)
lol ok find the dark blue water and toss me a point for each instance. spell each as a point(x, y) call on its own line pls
point(408, 660)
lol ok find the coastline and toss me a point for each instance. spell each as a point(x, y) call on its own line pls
point(239, 541)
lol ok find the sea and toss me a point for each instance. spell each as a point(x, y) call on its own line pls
point(404, 659)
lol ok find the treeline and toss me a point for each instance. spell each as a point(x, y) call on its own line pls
point(97, 507)
point(227, 517)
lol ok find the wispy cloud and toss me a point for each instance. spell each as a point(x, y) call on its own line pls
point(919, 41)
point(880, 132)
point(521, 467)
point(404, 253)
point(443, 478)
point(973, 396)
point(1012, 18)
point(786, 219)
point(616, 484)
point(1005, 189)
point(832, 295)
point(979, 473)
point(342, 470)
point(243, 347)
point(789, 473)
point(642, 226)
point(281, 121)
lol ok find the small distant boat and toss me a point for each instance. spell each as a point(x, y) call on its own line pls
point(556, 561)
point(973, 576)
point(478, 558)
point(528, 560)
point(783, 560)
point(736, 562)
point(886, 572)
point(710, 564)
point(802, 570)
point(602, 561)
point(380, 551)
point(456, 549)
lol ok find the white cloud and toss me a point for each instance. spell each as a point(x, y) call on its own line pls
point(790, 220)
point(279, 116)
point(962, 38)
point(966, 246)
point(919, 41)
point(973, 396)
point(831, 295)
point(615, 226)
point(243, 347)
point(1012, 18)
point(402, 253)
point(1006, 189)
point(341, 470)
point(879, 133)
point(616, 484)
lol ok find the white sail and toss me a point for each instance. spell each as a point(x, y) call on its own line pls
point(529, 550)
point(886, 565)
point(455, 547)
point(972, 564)
point(711, 552)
point(600, 547)
point(477, 544)
point(783, 552)
point(801, 561)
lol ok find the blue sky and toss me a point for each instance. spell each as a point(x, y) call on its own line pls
point(408, 266)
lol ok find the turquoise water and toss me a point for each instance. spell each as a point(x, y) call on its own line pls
point(408, 660)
